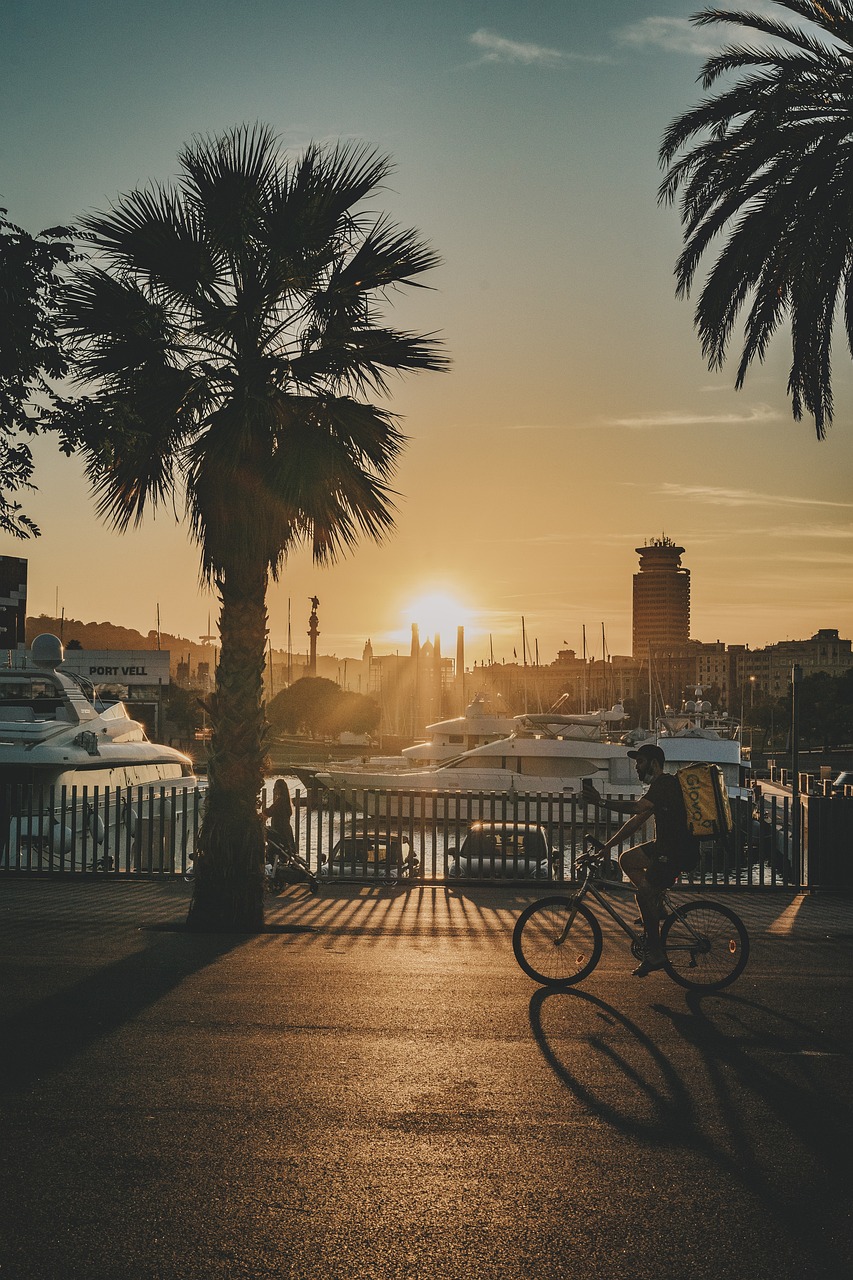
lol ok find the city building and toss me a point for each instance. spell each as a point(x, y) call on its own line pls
point(770, 668)
point(661, 614)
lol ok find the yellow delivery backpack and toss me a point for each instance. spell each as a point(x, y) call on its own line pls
point(705, 800)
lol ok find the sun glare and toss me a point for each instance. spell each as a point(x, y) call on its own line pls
point(436, 613)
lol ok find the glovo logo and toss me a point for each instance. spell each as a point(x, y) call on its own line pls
point(693, 788)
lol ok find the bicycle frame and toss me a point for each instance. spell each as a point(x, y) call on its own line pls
point(589, 885)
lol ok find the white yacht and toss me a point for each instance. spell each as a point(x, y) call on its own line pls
point(551, 753)
point(447, 740)
point(74, 774)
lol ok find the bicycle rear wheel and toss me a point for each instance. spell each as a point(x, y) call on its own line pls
point(705, 946)
point(550, 954)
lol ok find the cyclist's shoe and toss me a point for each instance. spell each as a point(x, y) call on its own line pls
point(645, 967)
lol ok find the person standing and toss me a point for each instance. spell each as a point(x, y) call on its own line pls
point(280, 814)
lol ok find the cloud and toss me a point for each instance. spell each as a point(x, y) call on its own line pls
point(673, 35)
point(742, 497)
point(672, 418)
point(755, 416)
point(679, 35)
point(495, 48)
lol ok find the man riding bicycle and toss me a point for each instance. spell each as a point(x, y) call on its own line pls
point(654, 865)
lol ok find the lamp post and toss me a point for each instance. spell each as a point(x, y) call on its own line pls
point(751, 706)
point(796, 679)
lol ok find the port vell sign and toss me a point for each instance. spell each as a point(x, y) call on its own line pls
point(126, 666)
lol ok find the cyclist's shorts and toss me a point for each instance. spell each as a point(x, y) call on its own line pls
point(663, 868)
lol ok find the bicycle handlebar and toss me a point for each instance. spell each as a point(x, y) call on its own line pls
point(594, 852)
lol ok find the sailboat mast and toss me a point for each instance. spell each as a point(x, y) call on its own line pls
point(524, 658)
point(289, 648)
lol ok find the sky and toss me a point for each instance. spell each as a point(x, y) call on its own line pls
point(578, 419)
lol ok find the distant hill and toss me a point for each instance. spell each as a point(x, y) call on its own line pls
point(107, 635)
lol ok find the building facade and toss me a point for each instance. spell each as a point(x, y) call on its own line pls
point(770, 668)
point(661, 600)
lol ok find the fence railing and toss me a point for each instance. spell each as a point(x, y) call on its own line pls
point(109, 831)
point(377, 836)
point(374, 835)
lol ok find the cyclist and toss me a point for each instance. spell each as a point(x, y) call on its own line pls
point(653, 866)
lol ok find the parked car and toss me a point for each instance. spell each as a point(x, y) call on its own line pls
point(367, 853)
point(844, 779)
point(501, 850)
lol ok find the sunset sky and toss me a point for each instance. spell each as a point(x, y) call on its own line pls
point(578, 419)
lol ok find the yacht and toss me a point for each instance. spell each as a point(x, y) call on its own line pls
point(446, 741)
point(550, 753)
point(76, 774)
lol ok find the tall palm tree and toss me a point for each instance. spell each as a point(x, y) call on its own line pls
point(228, 329)
point(771, 167)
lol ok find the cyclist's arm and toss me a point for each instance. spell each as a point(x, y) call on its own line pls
point(643, 810)
point(592, 796)
point(620, 806)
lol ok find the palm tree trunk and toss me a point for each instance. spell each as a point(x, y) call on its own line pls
point(229, 880)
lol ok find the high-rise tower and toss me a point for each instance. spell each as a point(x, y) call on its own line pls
point(661, 598)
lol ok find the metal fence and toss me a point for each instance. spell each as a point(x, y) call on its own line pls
point(140, 831)
point(378, 835)
point(394, 836)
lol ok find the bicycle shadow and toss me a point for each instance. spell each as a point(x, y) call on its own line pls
point(744, 1090)
point(763, 1052)
point(658, 1105)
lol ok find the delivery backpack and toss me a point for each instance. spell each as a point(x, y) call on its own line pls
point(706, 801)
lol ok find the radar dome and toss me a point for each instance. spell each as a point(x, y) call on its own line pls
point(47, 651)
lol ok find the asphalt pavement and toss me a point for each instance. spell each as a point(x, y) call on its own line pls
point(372, 1088)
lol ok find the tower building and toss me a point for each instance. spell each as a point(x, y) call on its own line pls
point(661, 599)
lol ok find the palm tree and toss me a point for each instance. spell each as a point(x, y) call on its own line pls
point(228, 329)
point(771, 167)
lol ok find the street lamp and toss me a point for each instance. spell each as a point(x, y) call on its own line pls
point(751, 706)
point(796, 681)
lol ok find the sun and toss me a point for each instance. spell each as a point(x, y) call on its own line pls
point(437, 613)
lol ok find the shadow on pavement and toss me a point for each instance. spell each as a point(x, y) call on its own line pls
point(44, 1035)
point(754, 1091)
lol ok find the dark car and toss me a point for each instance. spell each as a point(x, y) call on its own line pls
point(843, 781)
point(369, 854)
point(501, 850)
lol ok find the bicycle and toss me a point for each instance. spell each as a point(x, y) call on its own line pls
point(558, 940)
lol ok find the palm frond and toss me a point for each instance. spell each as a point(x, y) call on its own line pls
point(360, 357)
point(767, 163)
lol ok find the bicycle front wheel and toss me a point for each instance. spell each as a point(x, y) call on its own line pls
point(550, 950)
point(705, 946)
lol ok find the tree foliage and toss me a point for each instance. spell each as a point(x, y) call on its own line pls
point(30, 353)
point(321, 708)
point(825, 714)
point(767, 163)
